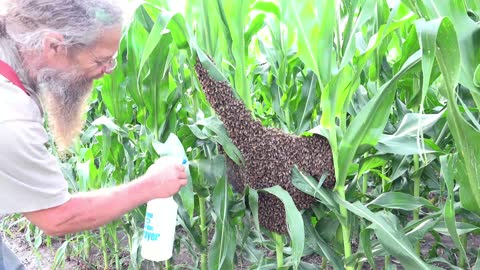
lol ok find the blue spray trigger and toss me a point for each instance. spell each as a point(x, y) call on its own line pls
point(184, 161)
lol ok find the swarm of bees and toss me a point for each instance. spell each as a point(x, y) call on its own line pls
point(269, 154)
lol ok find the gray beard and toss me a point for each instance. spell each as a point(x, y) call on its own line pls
point(64, 97)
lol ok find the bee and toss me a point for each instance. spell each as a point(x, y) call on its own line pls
point(269, 154)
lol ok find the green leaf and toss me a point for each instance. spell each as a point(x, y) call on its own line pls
point(465, 37)
point(216, 126)
point(367, 11)
point(403, 201)
point(236, 14)
point(253, 203)
point(427, 33)
point(445, 263)
point(198, 132)
point(211, 168)
point(315, 23)
point(417, 229)
point(267, 7)
point(107, 123)
point(466, 137)
point(255, 26)
point(366, 245)
point(316, 242)
point(337, 95)
point(154, 38)
point(309, 185)
point(114, 94)
point(179, 31)
point(207, 63)
point(294, 222)
point(303, 114)
point(223, 244)
point(461, 228)
point(61, 254)
point(368, 125)
point(477, 263)
point(404, 145)
point(400, 165)
point(476, 76)
point(389, 233)
point(370, 163)
point(448, 172)
point(413, 123)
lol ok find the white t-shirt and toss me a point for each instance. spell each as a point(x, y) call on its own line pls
point(30, 178)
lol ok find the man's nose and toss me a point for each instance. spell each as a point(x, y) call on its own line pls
point(107, 70)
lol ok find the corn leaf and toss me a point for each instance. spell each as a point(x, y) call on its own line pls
point(466, 137)
point(315, 241)
point(368, 125)
point(389, 233)
point(294, 223)
point(222, 247)
point(315, 22)
point(448, 173)
point(399, 200)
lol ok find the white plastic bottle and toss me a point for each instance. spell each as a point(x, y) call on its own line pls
point(159, 228)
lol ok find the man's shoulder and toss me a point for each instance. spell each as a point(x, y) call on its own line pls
point(15, 105)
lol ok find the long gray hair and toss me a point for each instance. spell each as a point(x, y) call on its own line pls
point(24, 24)
point(80, 22)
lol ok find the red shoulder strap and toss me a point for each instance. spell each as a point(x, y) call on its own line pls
point(7, 71)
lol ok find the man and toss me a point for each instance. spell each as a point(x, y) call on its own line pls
point(50, 52)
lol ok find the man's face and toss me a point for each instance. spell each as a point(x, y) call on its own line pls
point(65, 83)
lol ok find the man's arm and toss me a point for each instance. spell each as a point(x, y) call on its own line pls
point(90, 210)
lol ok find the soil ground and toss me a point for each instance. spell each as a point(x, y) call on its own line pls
point(45, 257)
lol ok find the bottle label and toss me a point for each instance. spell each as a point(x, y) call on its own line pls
point(149, 233)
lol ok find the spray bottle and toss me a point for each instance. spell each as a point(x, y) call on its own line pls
point(161, 214)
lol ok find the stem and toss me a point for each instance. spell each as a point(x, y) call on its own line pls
point(115, 247)
point(364, 200)
point(364, 188)
point(441, 136)
point(48, 242)
point(324, 263)
point(347, 248)
point(384, 190)
point(463, 239)
point(86, 245)
point(279, 249)
point(384, 185)
point(104, 248)
point(203, 230)
point(168, 265)
point(387, 261)
point(416, 193)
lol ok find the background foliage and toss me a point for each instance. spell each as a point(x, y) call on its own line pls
point(394, 86)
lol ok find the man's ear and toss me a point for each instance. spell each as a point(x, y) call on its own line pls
point(54, 45)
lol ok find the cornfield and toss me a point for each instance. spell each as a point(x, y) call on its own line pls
point(392, 87)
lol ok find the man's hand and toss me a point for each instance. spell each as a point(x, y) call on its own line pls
point(166, 176)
